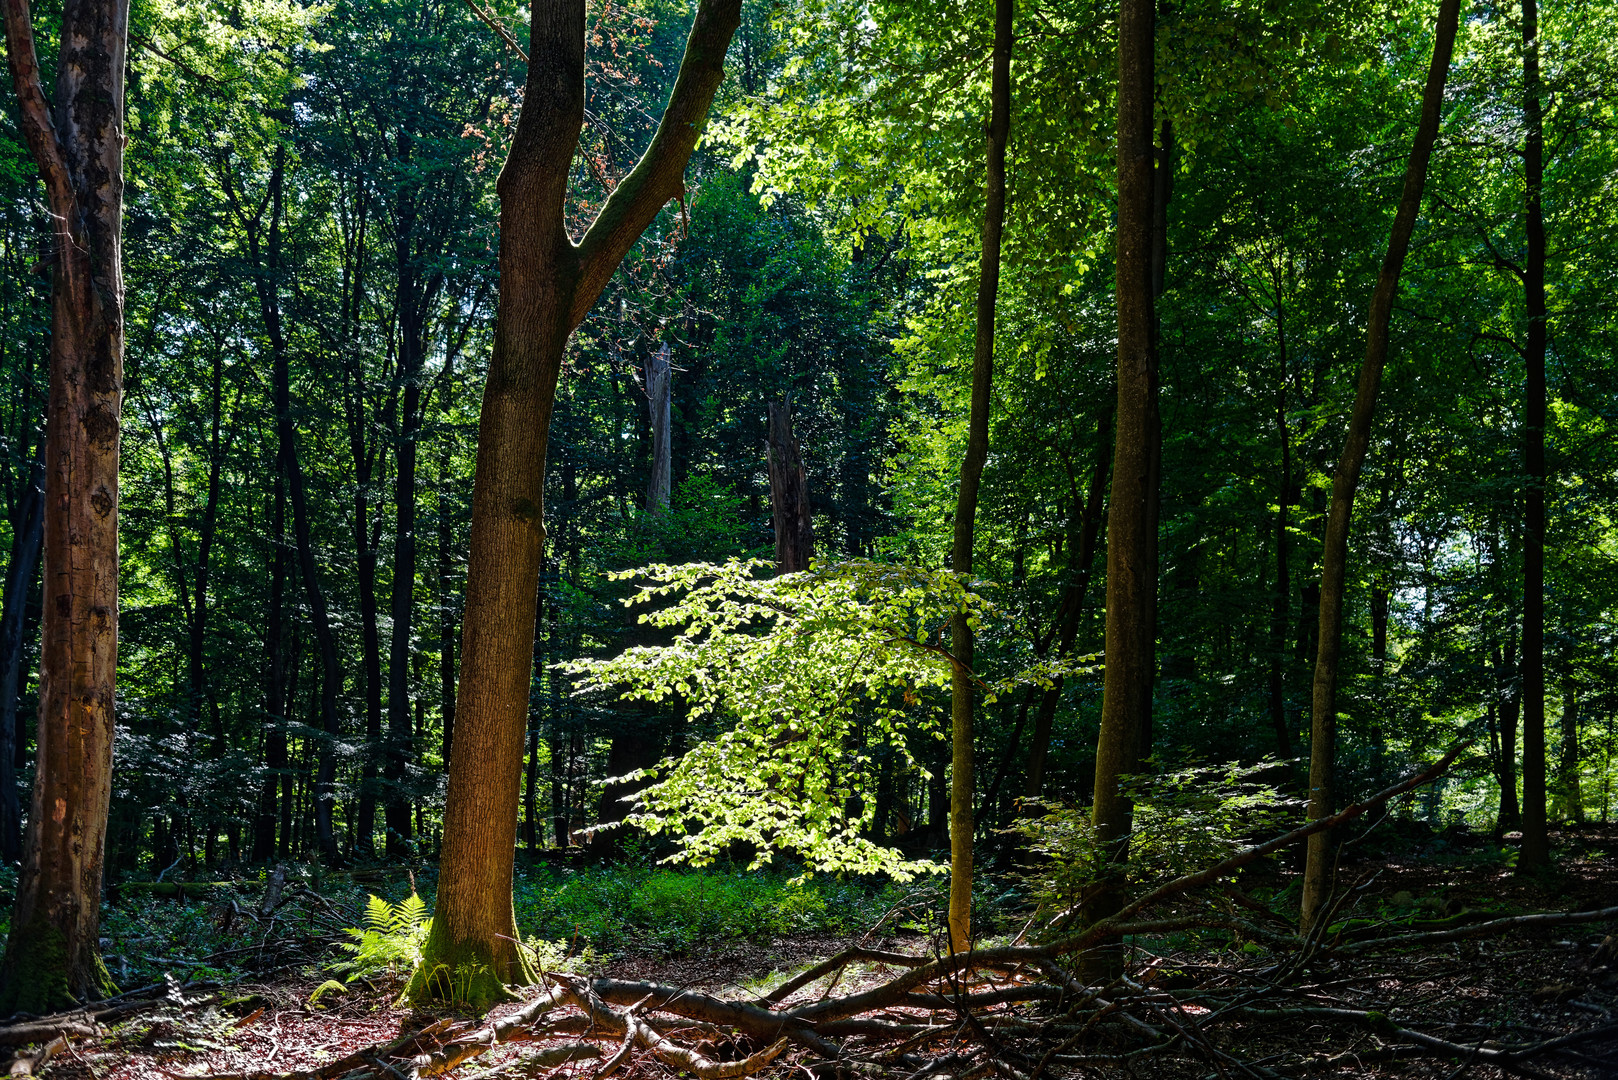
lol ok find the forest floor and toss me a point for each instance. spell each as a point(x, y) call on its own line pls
point(1529, 984)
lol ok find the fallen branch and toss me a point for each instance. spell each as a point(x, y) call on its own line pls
point(1543, 918)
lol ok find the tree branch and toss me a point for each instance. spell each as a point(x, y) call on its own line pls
point(35, 111)
point(660, 174)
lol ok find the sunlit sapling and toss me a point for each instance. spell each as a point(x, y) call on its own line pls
point(1185, 819)
point(811, 673)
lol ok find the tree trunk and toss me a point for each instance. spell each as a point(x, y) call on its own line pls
point(53, 956)
point(1505, 672)
point(331, 675)
point(966, 503)
point(547, 286)
point(789, 493)
point(402, 606)
point(1131, 526)
point(1081, 564)
point(1568, 788)
point(1535, 841)
point(27, 537)
point(446, 611)
point(1283, 584)
point(276, 776)
point(659, 382)
point(363, 453)
point(1334, 556)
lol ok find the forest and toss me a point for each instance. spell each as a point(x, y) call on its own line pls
point(871, 538)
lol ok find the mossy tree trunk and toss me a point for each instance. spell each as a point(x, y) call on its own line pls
point(53, 957)
point(1334, 554)
point(547, 286)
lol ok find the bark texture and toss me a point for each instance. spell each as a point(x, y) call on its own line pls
point(1334, 553)
point(547, 286)
point(966, 503)
point(53, 956)
point(789, 493)
point(1536, 850)
point(1126, 703)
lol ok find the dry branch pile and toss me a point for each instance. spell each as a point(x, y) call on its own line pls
point(1019, 1011)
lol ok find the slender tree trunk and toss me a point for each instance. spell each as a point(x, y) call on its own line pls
point(275, 732)
point(1081, 564)
point(1536, 850)
point(659, 383)
point(27, 537)
point(53, 956)
point(1131, 527)
point(961, 827)
point(402, 609)
point(547, 286)
point(789, 494)
point(1334, 556)
point(1283, 584)
point(1505, 672)
point(365, 558)
point(1569, 790)
point(446, 611)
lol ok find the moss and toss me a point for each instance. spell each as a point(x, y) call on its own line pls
point(38, 979)
point(466, 972)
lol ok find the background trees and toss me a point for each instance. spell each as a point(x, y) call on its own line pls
point(312, 262)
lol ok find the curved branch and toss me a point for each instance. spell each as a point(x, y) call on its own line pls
point(660, 174)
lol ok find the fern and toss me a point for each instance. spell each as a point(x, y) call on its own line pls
point(389, 946)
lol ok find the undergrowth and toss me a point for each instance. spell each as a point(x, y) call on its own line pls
point(663, 910)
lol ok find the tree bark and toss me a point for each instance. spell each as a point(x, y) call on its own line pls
point(961, 791)
point(1505, 670)
point(789, 493)
point(547, 286)
point(53, 956)
point(1132, 516)
point(27, 537)
point(1334, 556)
point(1536, 850)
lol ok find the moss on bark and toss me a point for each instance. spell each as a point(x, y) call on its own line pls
point(40, 976)
point(468, 972)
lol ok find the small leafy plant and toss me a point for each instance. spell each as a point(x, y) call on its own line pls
point(390, 944)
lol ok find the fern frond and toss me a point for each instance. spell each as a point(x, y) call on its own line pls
point(378, 914)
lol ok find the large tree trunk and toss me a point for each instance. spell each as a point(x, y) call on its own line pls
point(1334, 556)
point(961, 827)
point(789, 493)
point(547, 286)
point(1126, 703)
point(27, 537)
point(1535, 841)
point(53, 956)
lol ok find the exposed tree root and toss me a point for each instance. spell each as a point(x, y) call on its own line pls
point(1015, 1012)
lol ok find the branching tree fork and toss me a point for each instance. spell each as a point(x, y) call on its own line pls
point(547, 286)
